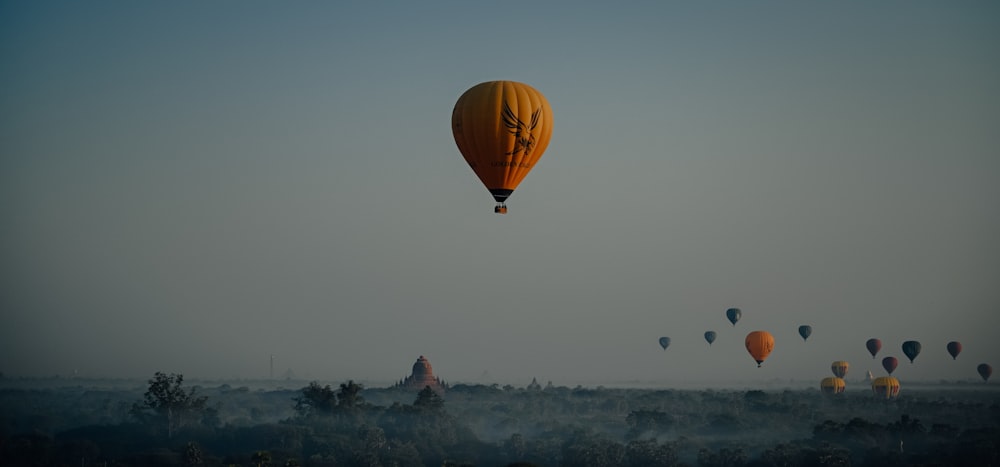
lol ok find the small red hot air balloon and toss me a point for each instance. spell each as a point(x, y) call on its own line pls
point(874, 345)
point(890, 364)
point(985, 371)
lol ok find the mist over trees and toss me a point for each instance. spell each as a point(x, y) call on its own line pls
point(166, 422)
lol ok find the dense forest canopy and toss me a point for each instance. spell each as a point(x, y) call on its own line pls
point(314, 424)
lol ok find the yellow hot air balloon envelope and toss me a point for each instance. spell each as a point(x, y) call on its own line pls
point(501, 128)
point(759, 344)
point(832, 385)
point(885, 387)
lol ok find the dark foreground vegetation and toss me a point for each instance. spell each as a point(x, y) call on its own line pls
point(164, 422)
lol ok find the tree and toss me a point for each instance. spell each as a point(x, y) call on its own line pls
point(315, 400)
point(428, 399)
point(193, 455)
point(649, 453)
point(515, 446)
point(261, 459)
point(726, 457)
point(169, 402)
point(350, 395)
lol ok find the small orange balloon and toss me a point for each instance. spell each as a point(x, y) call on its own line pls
point(501, 128)
point(760, 344)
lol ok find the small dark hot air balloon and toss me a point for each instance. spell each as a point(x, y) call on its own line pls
point(734, 315)
point(839, 368)
point(759, 344)
point(890, 364)
point(985, 371)
point(710, 337)
point(805, 332)
point(874, 345)
point(954, 348)
point(911, 349)
point(664, 342)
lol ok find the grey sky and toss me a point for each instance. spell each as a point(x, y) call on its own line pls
point(191, 187)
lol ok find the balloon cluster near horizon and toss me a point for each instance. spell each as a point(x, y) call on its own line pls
point(760, 344)
point(501, 128)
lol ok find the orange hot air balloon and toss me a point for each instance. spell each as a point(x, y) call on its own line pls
point(885, 387)
point(839, 368)
point(759, 344)
point(832, 385)
point(501, 128)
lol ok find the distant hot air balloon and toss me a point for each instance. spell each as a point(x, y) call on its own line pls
point(874, 345)
point(954, 348)
point(911, 349)
point(734, 315)
point(664, 342)
point(759, 344)
point(870, 376)
point(710, 337)
point(985, 371)
point(890, 363)
point(501, 128)
point(839, 368)
point(885, 387)
point(831, 385)
point(805, 332)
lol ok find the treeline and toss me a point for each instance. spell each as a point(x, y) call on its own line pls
point(166, 423)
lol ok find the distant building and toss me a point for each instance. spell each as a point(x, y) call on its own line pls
point(423, 376)
point(534, 386)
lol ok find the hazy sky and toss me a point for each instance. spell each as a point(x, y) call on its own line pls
point(192, 187)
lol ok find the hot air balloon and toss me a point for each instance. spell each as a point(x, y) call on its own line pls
point(839, 368)
point(759, 344)
point(885, 387)
point(664, 342)
point(805, 331)
point(734, 315)
point(832, 385)
point(710, 337)
point(911, 349)
point(954, 348)
point(874, 345)
point(890, 363)
point(985, 371)
point(501, 128)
